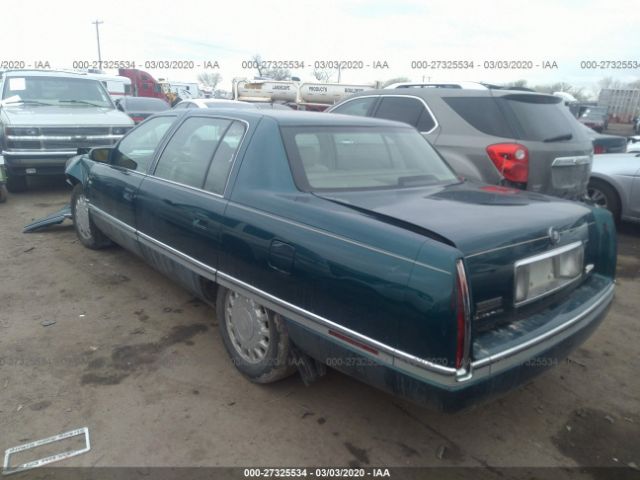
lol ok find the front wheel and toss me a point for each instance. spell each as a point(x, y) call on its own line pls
point(88, 233)
point(255, 337)
point(605, 196)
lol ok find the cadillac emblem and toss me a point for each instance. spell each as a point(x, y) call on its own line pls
point(554, 236)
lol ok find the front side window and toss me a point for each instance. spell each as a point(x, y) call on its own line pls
point(355, 158)
point(135, 151)
point(188, 154)
point(359, 107)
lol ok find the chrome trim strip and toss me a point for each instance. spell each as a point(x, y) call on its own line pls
point(125, 227)
point(547, 254)
point(463, 370)
point(41, 138)
point(185, 260)
point(39, 153)
point(337, 237)
point(384, 95)
point(604, 297)
point(571, 161)
point(184, 185)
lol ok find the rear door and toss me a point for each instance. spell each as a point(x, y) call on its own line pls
point(180, 206)
point(112, 187)
point(408, 109)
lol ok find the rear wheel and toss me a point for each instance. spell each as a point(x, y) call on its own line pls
point(16, 183)
point(605, 196)
point(255, 337)
point(88, 233)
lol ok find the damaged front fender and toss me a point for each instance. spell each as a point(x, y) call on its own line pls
point(77, 169)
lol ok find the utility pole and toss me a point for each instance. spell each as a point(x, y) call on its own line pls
point(97, 23)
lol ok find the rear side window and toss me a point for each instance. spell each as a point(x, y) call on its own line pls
point(521, 117)
point(538, 117)
point(408, 110)
point(359, 107)
point(187, 156)
point(482, 113)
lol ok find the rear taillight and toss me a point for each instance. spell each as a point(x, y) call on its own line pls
point(463, 318)
point(599, 149)
point(137, 119)
point(511, 160)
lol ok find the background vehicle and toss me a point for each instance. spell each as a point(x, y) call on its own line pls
point(615, 184)
point(300, 96)
point(143, 84)
point(513, 138)
point(45, 116)
point(603, 143)
point(330, 239)
point(139, 108)
point(213, 103)
point(116, 85)
point(596, 118)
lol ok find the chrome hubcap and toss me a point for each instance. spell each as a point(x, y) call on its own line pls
point(597, 197)
point(247, 323)
point(81, 217)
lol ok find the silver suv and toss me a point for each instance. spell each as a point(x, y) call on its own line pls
point(45, 116)
point(514, 138)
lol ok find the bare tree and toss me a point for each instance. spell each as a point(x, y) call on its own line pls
point(210, 79)
point(273, 73)
point(323, 75)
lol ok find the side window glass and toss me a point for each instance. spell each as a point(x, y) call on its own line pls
point(359, 106)
point(402, 109)
point(187, 156)
point(135, 151)
point(223, 159)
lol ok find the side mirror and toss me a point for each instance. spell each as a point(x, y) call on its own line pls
point(100, 154)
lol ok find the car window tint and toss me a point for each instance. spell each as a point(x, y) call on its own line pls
point(482, 113)
point(539, 117)
point(135, 151)
point(408, 110)
point(334, 158)
point(187, 156)
point(223, 159)
point(358, 106)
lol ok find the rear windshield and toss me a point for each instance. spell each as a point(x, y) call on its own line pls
point(356, 158)
point(518, 116)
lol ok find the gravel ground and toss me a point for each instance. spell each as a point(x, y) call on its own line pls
point(139, 361)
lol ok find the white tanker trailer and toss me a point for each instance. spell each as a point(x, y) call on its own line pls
point(301, 95)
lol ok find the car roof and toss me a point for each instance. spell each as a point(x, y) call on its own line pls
point(46, 73)
point(445, 92)
point(298, 118)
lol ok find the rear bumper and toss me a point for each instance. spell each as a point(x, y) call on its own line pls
point(496, 373)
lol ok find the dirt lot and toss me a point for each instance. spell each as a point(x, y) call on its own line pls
point(139, 361)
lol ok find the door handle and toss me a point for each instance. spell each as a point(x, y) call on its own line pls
point(200, 223)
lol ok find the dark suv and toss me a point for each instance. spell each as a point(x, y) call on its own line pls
point(514, 138)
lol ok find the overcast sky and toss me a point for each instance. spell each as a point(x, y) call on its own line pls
point(565, 31)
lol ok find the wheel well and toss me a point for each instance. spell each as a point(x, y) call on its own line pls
point(209, 290)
